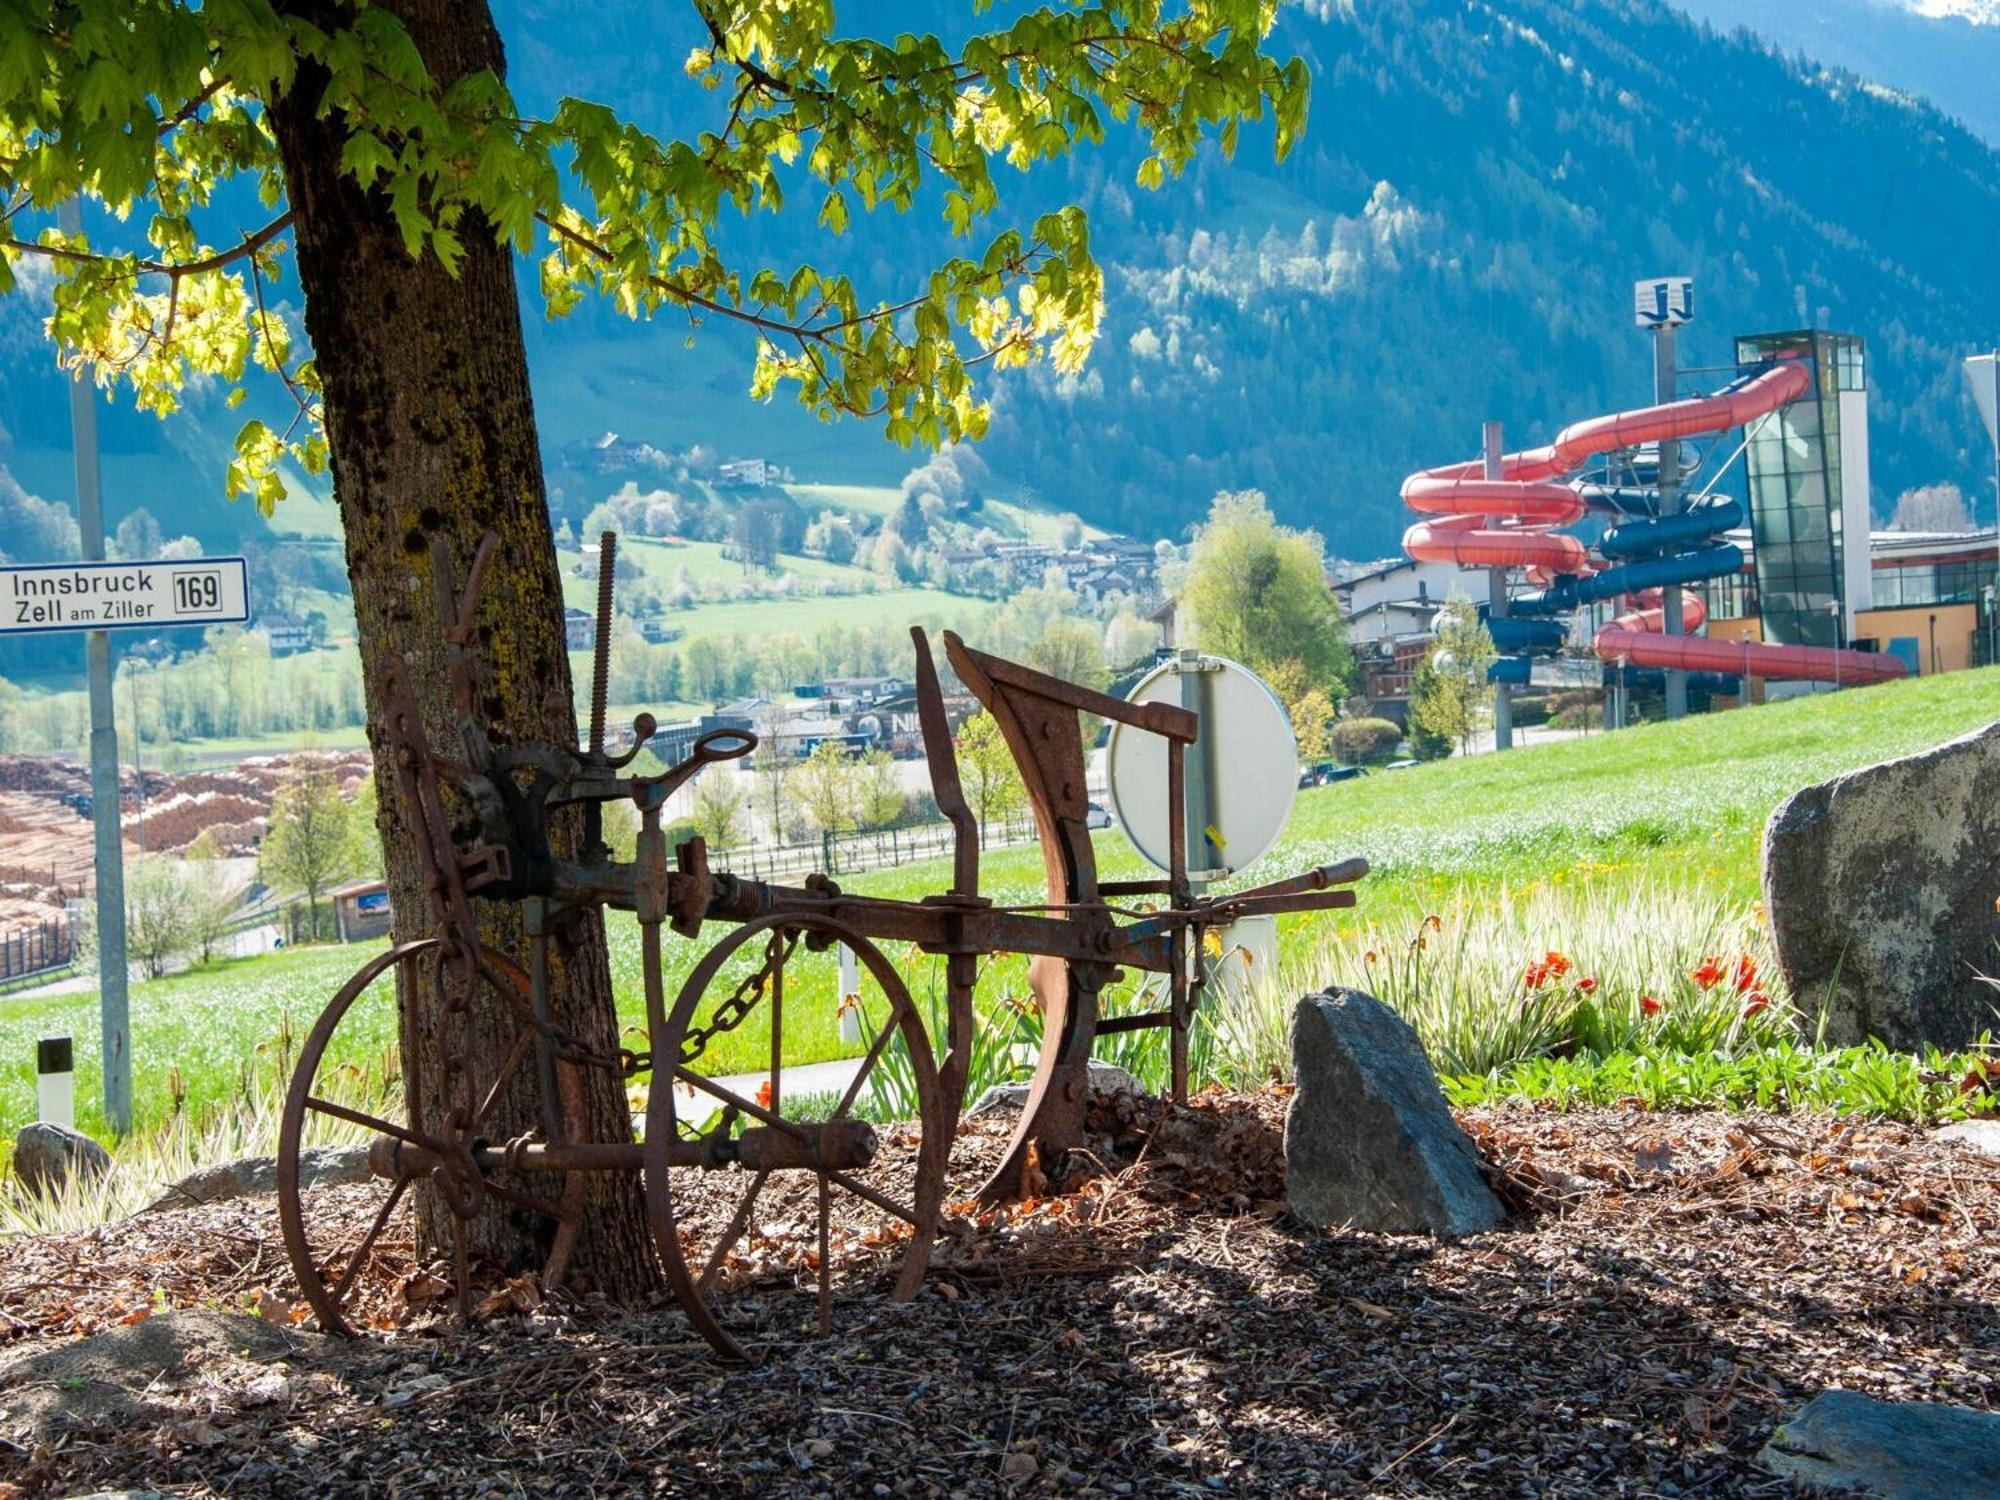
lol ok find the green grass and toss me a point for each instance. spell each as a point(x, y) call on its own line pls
point(809, 614)
point(1594, 844)
point(1782, 1077)
point(661, 562)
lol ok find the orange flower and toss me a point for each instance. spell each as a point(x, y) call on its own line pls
point(1437, 922)
point(1758, 1000)
point(1585, 985)
point(1649, 1005)
point(764, 1094)
point(1534, 976)
point(1709, 975)
point(1557, 964)
point(1746, 973)
point(1368, 957)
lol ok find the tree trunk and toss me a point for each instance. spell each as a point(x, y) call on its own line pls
point(431, 429)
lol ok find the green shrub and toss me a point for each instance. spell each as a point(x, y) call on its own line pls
point(1358, 740)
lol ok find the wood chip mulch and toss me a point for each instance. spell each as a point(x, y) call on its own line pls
point(1668, 1287)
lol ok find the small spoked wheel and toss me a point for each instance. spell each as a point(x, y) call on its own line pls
point(758, 1190)
point(358, 1250)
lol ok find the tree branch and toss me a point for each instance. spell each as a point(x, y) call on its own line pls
point(250, 245)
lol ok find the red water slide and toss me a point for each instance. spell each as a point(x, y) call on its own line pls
point(1530, 495)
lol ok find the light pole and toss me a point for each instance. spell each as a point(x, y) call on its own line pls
point(1834, 610)
point(1992, 622)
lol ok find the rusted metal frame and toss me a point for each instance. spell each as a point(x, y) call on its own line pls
point(1160, 718)
point(841, 1145)
point(941, 757)
point(1037, 716)
point(1137, 1021)
point(1181, 944)
point(1109, 888)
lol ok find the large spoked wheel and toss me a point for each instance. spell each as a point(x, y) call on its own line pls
point(363, 1263)
point(772, 1188)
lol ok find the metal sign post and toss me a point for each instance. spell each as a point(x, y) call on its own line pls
point(113, 1010)
point(1496, 594)
point(1663, 304)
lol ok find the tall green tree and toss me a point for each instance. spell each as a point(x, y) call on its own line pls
point(1256, 591)
point(986, 766)
point(1449, 693)
point(824, 783)
point(403, 178)
point(312, 839)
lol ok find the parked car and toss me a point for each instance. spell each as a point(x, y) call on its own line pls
point(1094, 816)
point(1326, 773)
point(1401, 765)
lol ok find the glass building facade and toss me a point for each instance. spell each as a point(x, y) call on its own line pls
point(1794, 465)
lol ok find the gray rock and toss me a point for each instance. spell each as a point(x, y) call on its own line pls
point(319, 1166)
point(1369, 1143)
point(1105, 1078)
point(1900, 1450)
point(45, 1155)
point(1980, 1135)
point(1881, 886)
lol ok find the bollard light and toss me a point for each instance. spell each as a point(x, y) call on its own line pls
point(55, 1081)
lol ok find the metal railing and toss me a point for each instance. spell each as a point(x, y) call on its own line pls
point(850, 853)
point(37, 948)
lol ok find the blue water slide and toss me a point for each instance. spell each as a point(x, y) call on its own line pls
point(1661, 534)
point(1653, 679)
point(1723, 560)
point(1535, 637)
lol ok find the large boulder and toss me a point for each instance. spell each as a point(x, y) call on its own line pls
point(1881, 887)
point(1899, 1450)
point(48, 1155)
point(319, 1166)
point(1369, 1143)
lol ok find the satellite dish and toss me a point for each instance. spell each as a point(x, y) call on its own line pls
point(1246, 757)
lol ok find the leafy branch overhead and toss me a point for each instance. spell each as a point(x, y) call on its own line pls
point(153, 107)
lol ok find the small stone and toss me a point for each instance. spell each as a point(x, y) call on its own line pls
point(819, 1448)
point(1980, 1135)
point(1898, 1450)
point(1881, 887)
point(1369, 1143)
point(1105, 1078)
point(45, 1155)
point(266, 1390)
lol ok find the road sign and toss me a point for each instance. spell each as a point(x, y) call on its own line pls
point(1251, 764)
point(1663, 301)
point(123, 595)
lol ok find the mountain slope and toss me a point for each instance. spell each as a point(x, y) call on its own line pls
point(1454, 241)
point(1947, 55)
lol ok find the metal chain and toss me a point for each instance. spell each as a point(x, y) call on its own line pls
point(735, 1010)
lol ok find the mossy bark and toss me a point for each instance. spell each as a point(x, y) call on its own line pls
point(431, 428)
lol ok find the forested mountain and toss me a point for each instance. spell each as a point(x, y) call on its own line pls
point(1948, 51)
point(1456, 239)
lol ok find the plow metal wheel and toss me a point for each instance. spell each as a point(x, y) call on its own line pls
point(812, 1154)
point(327, 1254)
